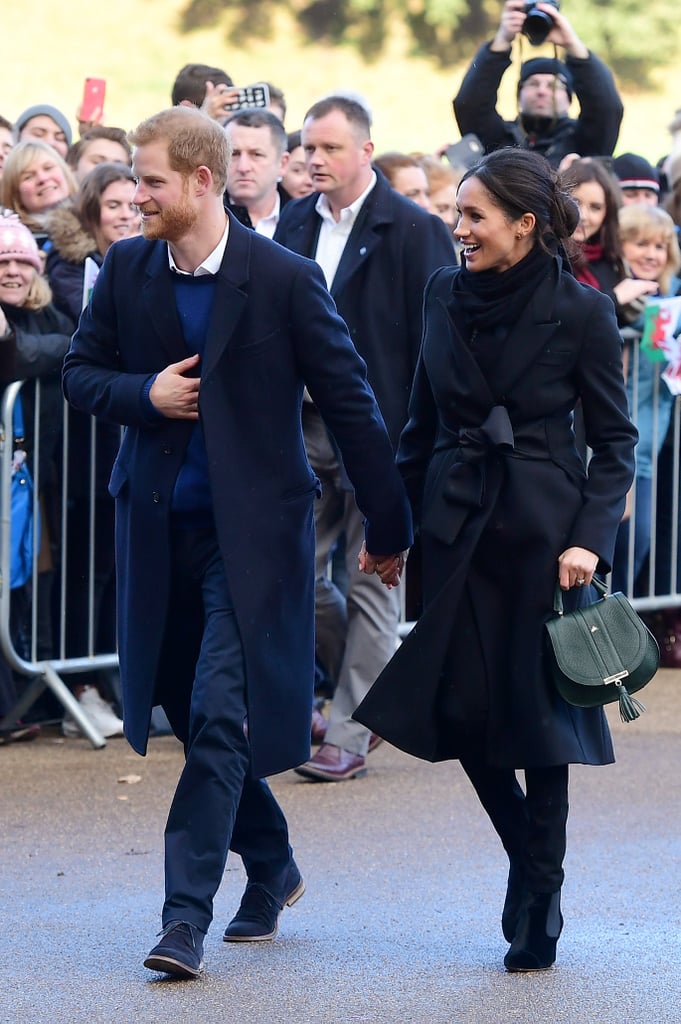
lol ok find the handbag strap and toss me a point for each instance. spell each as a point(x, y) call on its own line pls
point(598, 584)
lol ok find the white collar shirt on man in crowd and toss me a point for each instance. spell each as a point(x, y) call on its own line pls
point(268, 225)
point(333, 233)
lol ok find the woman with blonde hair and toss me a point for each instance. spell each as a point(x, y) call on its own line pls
point(35, 179)
point(651, 252)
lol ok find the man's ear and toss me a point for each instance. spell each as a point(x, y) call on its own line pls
point(283, 163)
point(203, 178)
point(368, 149)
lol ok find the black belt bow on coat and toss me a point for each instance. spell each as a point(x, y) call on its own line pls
point(468, 476)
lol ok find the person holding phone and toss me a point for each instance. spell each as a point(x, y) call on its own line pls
point(545, 90)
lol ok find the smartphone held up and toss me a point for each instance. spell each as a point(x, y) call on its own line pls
point(92, 103)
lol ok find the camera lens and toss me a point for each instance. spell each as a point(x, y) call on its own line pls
point(538, 24)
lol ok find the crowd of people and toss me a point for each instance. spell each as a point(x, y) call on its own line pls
point(212, 185)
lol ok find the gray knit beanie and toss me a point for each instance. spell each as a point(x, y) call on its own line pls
point(48, 111)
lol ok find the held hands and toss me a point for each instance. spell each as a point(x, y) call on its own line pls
point(389, 568)
point(175, 395)
point(576, 568)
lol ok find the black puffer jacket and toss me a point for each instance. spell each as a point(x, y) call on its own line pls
point(70, 245)
point(593, 133)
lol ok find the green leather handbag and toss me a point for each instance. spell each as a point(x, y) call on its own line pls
point(601, 653)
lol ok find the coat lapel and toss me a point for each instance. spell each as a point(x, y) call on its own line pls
point(303, 232)
point(230, 294)
point(365, 235)
point(160, 307)
point(465, 364)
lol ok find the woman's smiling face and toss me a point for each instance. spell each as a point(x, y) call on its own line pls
point(647, 256)
point(590, 199)
point(490, 239)
point(16, 278)
point(42, 185)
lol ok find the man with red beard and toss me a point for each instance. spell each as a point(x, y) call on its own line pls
point(200, 338)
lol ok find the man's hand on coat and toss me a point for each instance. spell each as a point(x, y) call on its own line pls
point(389, 568)
point(175, 395)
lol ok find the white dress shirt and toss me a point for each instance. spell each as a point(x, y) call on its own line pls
point(333, 234)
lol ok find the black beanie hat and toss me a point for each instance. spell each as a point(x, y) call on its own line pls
point(547, 66)
point(634, 171)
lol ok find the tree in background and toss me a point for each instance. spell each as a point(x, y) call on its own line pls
point(633, 38)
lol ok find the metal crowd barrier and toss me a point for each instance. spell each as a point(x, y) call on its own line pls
point(48, 672)
point(42, 673)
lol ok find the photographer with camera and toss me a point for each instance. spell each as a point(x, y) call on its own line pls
point(545, 90)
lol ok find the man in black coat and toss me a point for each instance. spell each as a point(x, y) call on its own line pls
point(545, 91)
point(199, 339)
point(377, 250)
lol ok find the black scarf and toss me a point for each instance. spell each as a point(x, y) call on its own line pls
point(489, 299)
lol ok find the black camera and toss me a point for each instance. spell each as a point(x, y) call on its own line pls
point(538, 24)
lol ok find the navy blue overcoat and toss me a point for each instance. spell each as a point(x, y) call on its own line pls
point(274, 329)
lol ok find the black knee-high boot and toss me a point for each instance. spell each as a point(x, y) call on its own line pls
point(540, 921)
point(504, 802)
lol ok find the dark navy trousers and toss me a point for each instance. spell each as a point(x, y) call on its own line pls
point(217, 805)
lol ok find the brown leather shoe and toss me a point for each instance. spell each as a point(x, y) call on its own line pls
point(319, 726)
point(333, 764)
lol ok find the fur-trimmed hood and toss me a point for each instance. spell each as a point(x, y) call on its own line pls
point(68, 236)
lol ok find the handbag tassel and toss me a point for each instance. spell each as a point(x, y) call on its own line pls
point(630, 707)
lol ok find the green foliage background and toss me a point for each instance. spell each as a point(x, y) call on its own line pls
point(406, 56)
point(631, 36)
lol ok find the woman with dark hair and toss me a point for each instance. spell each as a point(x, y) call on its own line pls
point(597, 258)
point(508, 511)
point(296, 179)
point(100, 213)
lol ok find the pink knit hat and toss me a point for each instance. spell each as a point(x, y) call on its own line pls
point(17, 243)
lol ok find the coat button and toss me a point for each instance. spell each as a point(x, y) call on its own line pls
point(167, 450)
point(156, 497)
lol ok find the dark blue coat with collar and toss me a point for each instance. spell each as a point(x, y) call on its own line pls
point(391, 252)
point(273, 330)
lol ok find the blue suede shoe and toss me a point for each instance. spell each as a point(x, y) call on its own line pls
point(257, 918)
point(179, 952)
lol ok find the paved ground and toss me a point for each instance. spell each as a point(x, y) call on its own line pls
point(400, 921)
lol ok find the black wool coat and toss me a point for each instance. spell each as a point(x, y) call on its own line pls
point(499, 491)
point(273, 330)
